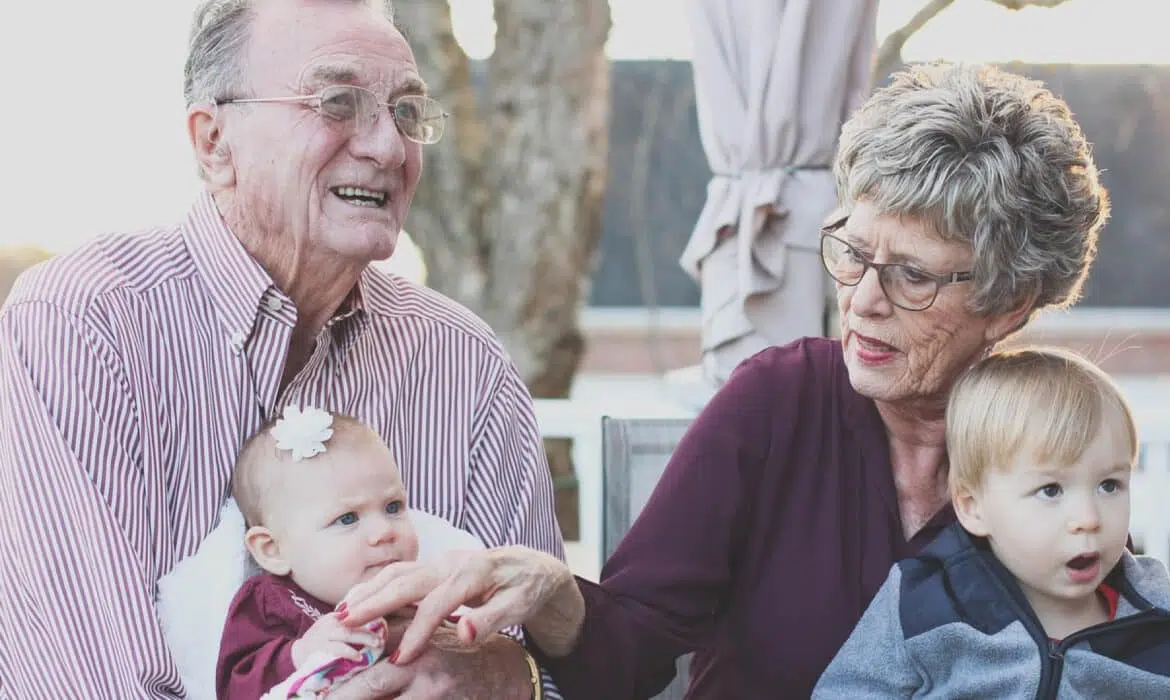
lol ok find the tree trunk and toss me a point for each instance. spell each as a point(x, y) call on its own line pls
point(508, 214)
point(889, 55)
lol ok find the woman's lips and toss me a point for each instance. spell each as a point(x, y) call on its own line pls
point(873, 344)
point(872, 351)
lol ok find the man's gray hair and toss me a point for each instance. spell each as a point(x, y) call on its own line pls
point(215, 53)
point(987, 158)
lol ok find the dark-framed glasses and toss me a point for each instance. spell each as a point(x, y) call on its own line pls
point(906, 286)
point(418, 117)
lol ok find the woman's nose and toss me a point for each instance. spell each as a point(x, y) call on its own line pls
point(868, 296)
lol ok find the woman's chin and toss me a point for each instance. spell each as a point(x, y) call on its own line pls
point(879, 382)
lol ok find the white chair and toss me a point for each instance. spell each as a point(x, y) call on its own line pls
point(634, 455)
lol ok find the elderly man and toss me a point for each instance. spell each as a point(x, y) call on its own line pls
point(132, 369)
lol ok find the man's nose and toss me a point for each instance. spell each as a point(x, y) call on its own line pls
point(380, 140)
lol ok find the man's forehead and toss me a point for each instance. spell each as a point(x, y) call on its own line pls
point(382, 79)
point(349, 39)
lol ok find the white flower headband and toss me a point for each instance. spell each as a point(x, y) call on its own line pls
point(303, 431)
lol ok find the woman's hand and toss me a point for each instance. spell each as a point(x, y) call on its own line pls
point(503, 587)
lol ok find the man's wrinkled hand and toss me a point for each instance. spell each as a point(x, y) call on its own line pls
point(447, 669)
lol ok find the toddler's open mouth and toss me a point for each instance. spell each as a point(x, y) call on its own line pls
point(1083, 568)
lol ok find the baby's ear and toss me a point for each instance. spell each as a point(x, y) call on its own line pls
point(266, 550)
point(969, 511)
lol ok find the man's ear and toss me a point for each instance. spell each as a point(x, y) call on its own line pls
point(969, 511)
point(205, 130)
point(266, 550)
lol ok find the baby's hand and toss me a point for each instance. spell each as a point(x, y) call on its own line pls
point(329, 636)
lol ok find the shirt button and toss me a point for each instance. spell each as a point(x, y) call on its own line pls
point(274, 304)
point(239, 340)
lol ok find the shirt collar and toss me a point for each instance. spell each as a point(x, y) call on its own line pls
point(354, 305)
point(377, 289)
point(236, 282)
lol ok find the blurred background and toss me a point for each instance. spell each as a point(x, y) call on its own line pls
point(581, 278)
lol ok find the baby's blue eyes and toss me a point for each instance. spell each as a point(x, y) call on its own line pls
point(351, 518)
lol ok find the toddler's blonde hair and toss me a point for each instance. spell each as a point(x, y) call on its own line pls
point(1050, 401)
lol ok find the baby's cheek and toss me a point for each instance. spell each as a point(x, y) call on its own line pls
point(409, 542)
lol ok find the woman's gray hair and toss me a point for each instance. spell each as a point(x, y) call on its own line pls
point(987, 158)
point(215, 53)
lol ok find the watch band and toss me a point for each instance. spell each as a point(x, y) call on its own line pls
point(537, 681)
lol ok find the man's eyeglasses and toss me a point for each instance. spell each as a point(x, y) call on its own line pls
point(419, 118)
point(905, 286)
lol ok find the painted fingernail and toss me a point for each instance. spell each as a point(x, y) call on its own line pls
point(454, 619)
point(471, 628)
point(342, 608)
point(394, 657)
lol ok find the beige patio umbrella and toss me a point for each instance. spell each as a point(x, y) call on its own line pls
point(774, 82)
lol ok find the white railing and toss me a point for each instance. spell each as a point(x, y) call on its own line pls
point(580, 419)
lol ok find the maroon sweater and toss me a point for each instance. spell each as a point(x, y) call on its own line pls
point(267, 615)
point(775, 523)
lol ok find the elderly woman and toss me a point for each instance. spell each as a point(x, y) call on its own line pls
point(970, 202)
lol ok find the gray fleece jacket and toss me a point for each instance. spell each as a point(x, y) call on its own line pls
point(953, 623)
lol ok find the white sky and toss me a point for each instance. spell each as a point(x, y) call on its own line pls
point(93, 120)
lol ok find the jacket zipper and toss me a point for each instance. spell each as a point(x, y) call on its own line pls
point(1053, 661)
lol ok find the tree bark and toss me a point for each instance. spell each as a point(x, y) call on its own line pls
point(508, 213)
point(509, 216)
point(889, 55)
point(446, 219)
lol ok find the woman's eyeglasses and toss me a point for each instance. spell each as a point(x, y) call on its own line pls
point(906, 287)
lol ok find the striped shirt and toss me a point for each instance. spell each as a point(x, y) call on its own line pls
point(131, 372)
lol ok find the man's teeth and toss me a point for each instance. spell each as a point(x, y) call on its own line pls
point(362, 194)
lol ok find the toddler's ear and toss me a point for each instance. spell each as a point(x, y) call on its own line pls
point(969, 511)
point(266, 550)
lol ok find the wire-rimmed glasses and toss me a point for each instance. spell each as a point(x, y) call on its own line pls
point(420, 118)
point(906, 286)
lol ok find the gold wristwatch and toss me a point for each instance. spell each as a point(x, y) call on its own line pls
point(534, 672)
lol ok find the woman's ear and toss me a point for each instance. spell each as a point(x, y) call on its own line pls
point(1004, 324)
point(264, 548)
point(205, 131)
point(969, 511)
